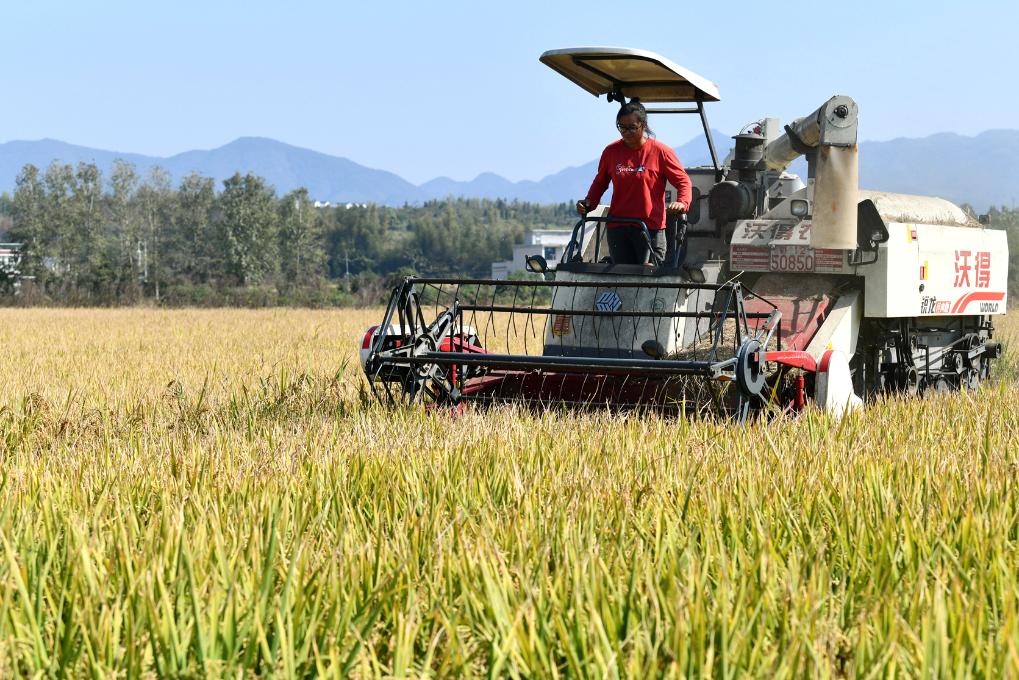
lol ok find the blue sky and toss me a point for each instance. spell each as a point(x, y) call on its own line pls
point(455, 88)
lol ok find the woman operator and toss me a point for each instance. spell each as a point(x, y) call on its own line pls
point(637, 165)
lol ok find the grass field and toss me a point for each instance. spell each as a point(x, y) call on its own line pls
point(204, 493)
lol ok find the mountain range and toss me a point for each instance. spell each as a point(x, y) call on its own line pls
point(982, 170)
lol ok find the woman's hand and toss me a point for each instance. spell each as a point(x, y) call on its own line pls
point(583, 208)
point(675, 207)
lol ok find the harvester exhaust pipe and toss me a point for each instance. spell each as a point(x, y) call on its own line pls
point(828, 138)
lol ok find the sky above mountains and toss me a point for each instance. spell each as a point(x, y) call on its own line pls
point(455, 88)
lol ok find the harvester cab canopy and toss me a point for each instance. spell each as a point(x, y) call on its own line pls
point(622, 72)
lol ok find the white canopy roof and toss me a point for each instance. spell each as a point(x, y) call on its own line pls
point(632, 73)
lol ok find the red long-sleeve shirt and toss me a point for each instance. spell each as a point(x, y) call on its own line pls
point(638, 181)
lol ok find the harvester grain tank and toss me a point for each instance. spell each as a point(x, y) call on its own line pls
point(776, 290)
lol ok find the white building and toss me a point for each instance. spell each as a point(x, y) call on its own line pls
point(549, 243)
point(10, 258)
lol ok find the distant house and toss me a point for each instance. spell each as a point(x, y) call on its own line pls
point(10, 258)
point(549, 243)
point(345, 206)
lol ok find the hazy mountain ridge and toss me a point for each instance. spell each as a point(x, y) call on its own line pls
point(982, 170)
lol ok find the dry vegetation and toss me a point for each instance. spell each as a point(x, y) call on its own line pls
point(204, 493)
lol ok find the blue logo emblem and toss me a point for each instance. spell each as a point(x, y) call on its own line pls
point(608, 302)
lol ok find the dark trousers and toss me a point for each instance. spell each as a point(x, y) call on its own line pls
point(627, 245)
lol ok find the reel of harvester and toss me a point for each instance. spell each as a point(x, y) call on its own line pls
point(668, 345)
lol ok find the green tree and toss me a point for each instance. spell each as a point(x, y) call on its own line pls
point(155, 205)
point(356, 240)
point(302, 258)
point(247, 228)
point(1008, 220)
point(124, 226)
point(93, 270)
point(28, 208)
point(190, 250)
point(58, 226)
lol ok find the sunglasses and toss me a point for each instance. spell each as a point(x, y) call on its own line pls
point(627, 128)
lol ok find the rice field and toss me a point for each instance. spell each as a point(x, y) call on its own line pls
point(208, 494)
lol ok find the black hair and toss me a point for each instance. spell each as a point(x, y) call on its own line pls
point(634, 106)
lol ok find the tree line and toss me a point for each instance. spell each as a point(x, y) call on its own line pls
point(126, 239)
point(1004, 218)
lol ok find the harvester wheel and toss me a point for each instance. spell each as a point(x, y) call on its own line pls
point(911, 381)
point(750, 375)
point(750, 378)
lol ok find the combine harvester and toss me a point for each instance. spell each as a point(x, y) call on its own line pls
point(775, 291)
